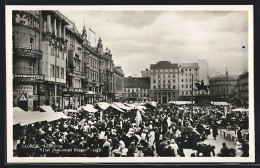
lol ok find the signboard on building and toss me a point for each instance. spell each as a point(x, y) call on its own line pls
point(29, 77)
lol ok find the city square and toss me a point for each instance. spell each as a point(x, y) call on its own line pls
point(135, 87)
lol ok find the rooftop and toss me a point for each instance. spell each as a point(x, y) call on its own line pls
point(223, 77)
point(163, 65)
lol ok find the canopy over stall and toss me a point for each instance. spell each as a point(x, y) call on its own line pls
point(46, 109)
point(219, 103)
point(241, 110)
point(122, 106)
point(117, 108)
point(180, 102)
point(103, 105)
point(24, 118)
point(89, 108)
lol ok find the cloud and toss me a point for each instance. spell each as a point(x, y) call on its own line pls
point(140, 38)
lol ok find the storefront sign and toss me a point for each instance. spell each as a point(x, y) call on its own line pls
point(24, 88)
point(72, 90)
point(23, 52)
point(28, 77)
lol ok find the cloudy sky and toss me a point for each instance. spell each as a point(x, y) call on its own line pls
point(140, 38)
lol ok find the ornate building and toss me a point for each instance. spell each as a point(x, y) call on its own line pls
point(27, 58)
point(164, 79)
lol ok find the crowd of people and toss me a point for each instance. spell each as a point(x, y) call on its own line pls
point(164, 131)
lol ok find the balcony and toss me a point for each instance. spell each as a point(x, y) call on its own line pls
point(24, 52)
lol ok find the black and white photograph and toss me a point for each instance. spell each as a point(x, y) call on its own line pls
point(126, 83)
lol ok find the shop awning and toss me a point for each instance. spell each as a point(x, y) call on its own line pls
point(90, 92)
point(103, 105)
point(89, 108)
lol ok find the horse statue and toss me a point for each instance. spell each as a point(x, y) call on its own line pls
point(201, 86)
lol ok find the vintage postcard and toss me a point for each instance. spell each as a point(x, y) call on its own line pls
point(122, 84)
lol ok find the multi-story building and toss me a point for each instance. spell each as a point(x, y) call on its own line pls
point(190, 74)
point(73, 93)
point(118, 83)
point(145, 73)
point(242, 88)
point(222, 87)
point(54, 46)
point(27, 58)
point(137, 88)
point(164, 79)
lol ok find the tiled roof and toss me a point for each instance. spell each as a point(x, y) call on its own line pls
point(163, 65)
point(137, 82)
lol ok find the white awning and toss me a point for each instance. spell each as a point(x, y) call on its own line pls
point(47, 108)
point(241, 110)
point(70, 111)
point(103, 105)
point(122, 106)
point(180, 102)
point(89, 108)
point(117, 108)
point(220, 103)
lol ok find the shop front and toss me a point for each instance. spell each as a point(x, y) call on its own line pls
point(73, 98)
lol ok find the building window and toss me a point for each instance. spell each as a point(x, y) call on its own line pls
point(52, 71)
point(154, 81)
point(62, 73)
point(196, 74)
point(163, 81)
point(169, 86)
point(186, 80)
point(190, 69)
point(159, 81)
point(190, 74)
point(31, 43)
point(173, 86)
point(186, 74)
point(182, 92)
point(182, 86)
point(181, 80)
point(173, 75)
point(77, 65)
point(181, 70)
point(196, 69)
point(169, 81)
point(186, 86)
point(57, 71)
point(186, 70)
point(77, 83)
point(173, 81)
point(190, 86)
point(159, 86)
point(187, 93)
point(154, 87)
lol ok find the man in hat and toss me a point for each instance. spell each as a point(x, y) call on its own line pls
point(161, 147)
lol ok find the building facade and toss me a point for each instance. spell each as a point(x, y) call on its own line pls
point(242, 88)
point(73, 92)
point(54, 46)
point(27, 58)
point(119, 83)
point(222, 87)
point(137, 88)
point(164, 79)
point(145, 73)
point(53, 64)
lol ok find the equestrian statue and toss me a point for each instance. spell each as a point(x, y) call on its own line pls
point(201, 86)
